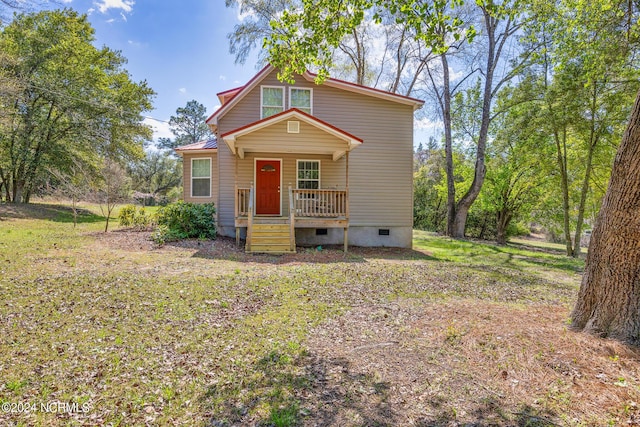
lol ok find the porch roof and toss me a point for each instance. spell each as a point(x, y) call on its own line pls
point(344, 141)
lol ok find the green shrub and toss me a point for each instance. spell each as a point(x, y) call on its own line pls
point(182, 220)
point(130, 216)
point(127, 213)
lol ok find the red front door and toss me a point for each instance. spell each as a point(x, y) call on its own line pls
point(267, 187)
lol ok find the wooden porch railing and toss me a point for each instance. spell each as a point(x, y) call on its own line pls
point(292, 220)
point(243, 195)
point(320, 203)
point(249, 218)
point(302, 203)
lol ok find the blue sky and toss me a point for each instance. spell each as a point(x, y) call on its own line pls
point(179, 47)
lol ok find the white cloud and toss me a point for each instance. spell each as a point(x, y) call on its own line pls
point(135, 43)
point(111, 21)
point(160, 129)
point(90, 11)
point(456, 75)
point(425, 123)
point(124, 17)
point(222, 77)
point(182, 90)
point(124, 5)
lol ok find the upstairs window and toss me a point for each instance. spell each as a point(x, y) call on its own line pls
point(200, 177)
point(301, 99)
point(272, 100)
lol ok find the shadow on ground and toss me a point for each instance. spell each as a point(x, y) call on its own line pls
point(54, 213)
point(225, 248)
point(316, 391)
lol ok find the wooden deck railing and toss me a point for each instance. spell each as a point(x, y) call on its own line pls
point(243, 195)
point(249, 218)
point(320, 203)
point(302, 203)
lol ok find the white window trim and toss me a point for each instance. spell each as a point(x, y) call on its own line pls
point(255, 173)
point(310, 97)
point(202, 177)
point(319, 172)
point(272, 106)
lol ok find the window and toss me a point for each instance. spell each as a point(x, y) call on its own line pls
point(272, 101)
point(200, 177)
point(300, 99)
point(308, 174)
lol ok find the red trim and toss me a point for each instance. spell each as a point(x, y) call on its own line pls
point(229, 90)
point(366, 88)
point(293, 111)
point(312, 76)
point(253, 79)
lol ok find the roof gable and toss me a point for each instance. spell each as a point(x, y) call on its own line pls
point(351, 141)
point(238, 93)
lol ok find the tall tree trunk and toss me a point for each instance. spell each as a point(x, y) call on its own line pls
point(448, 145)
point(561, 152)
point(593, 141)
point(609, 299)
point(463, 206)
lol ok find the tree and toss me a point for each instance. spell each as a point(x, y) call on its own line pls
point(75, 184)
point(382, 54)
point(188, 125)
point(515, 176)
point(112, 189)
point(609, 298)
point(74, 101)
point(156, 174)
point(584, 88)
point(305, 37)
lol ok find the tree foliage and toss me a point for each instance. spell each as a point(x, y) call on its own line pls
point(72, 101)
point(156, 174)
point(188, 125)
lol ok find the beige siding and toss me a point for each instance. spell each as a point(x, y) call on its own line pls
point(187, 157)
point(275, 137)
point(380, 171)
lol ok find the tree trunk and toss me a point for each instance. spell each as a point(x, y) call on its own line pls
point(593, 142)
point(609, 299)
point(463, 206)
point(503, 220)
point(561, 151)
point(448, 146)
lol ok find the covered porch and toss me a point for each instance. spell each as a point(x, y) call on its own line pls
point(298, 170)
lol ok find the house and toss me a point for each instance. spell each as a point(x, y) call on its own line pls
point(307, 164)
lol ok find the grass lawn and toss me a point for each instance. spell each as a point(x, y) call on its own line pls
point(109, 329)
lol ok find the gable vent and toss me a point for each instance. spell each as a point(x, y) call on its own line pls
point(293, 127)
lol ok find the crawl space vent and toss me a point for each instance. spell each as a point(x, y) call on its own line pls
point(383, 232)
point(293, 127)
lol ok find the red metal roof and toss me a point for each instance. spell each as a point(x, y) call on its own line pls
point(210, 144)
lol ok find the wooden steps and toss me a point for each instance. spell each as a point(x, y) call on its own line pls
point(270, 235)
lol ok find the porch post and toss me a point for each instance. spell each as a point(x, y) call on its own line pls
point(235, 198)
point(346, 175)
